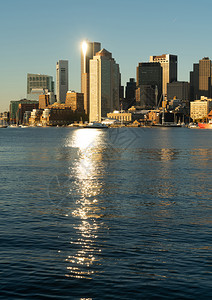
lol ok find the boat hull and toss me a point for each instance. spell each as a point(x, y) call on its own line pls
point(205, 125)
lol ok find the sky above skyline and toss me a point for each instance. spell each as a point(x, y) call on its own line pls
point(36, 34)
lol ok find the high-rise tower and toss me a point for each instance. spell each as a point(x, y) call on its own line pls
point(149, 84)
point(205, 77)
point(104, 85)
point(169, 65)
point(62, 80)
point(194, 82)
point(88, 51)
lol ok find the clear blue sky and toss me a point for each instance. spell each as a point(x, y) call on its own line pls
point(35, 34)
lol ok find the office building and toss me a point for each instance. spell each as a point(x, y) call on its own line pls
point(201, 79)
point(149, 84)
point(146, 96)
point(168, 63)
point(46, 99)
point(22, 108)
point(62, 80)
point(124, 117)
point(199, 109)
point(88, 51)
point(130, 93)
point(194, 82)
point(27, 105)
point(104, 85)
point(205, 77)
point(75, 101)
point(178, 90)
point(40, 82)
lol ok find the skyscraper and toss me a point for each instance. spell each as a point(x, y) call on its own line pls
point(149, 84)
point(62, 80)
point(88, 51)
point(205, 77)
point(130, 93)
point(178, 90)
point(169, 65)
point(194, 82)
point(104, 85)
point(201, 79)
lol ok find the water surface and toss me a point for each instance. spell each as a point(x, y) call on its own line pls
point(106, 214)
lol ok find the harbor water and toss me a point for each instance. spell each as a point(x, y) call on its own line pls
point(118, 213)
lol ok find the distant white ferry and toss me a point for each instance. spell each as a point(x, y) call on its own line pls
point(96, 125)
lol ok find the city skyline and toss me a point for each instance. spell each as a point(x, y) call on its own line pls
point(132, 35)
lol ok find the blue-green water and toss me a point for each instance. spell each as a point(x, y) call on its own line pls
point(106, 214)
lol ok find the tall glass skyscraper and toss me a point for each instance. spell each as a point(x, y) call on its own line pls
point(104, 85)
point(62, 80)
point(168, 63)
point(91, 48)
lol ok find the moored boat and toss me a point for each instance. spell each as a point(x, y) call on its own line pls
point(96, 125)
point(205, 125)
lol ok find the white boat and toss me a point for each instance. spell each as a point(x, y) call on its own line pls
point(193, 125)
point(13, 126)
point(96, 125)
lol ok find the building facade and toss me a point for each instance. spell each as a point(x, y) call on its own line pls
point(38, 81)
point(88, 51)
point(205, 77)
point(168, 63)
point(201, 79)
point(125, 117)
point(179, 90)
point(199, 109)
point(62, 80)
point(14, 107)
point(104, 85)
point(46, 99)
point(75, 101)
point(149, 84)
point(146, 96)
point(194, 82)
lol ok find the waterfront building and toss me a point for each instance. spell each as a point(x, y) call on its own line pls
point(179, 90)
point(168, 63)
point(88, 51)
point(22, 108)
point(153, 116)
point(62, 80)
point(27, 115)
point(60, 115)
point(199, 109)
point(40, 82)
point(149, 84)
point(104, 85)
point(75, 101)
point(4, 118)
point(124, 117)
point(14, 106)
point(46, 99)
point(34, 119)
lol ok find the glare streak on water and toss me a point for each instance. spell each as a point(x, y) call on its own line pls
point(106, 214)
